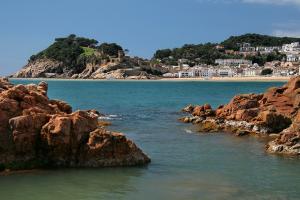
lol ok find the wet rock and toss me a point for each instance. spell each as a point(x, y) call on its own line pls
point(207, 107)
point(104, 123)
point(275, 113)
point(242, 133)
point(207, 126)
point(275, 121)
point(188, 109)
point(198, 111)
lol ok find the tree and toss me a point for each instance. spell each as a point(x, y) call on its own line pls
point(66, 51)
point(257, 40)
point(266, 71)
point(201, 53)
point(85, 42)
point(111, 49)
point(75, 52)
point(163, 53)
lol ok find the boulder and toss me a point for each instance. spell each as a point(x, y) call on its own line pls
point(198, 111)
point(274, 112)
point(114, 150)
point(208, 126)
point(273, 120)
point(188, 109)
point(38, 132)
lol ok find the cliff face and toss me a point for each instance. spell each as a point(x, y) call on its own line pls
point(276, 113)
point(41, 68)
point(49, 68)
point(39, 132)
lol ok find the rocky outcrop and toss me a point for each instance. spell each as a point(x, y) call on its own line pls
point(37, 132)
point(275, 112)
point(42, 68)
point(48, 68)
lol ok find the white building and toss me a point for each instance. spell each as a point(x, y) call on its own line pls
point(279, 71)
point(251, 72)
point(268, 49)
point(183, 61)
point(293, 47)
point(170, 75)
point(186, 74)
point(225, 72)
point(292, 58)
point(232, 62)
point(246, 47)
point(199, 71)
point(207, 72)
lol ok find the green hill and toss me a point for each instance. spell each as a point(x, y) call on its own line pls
point(257, 40)
point(207, 53)
point(74, 52)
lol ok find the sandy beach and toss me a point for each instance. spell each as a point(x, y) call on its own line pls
point(232, 79)
point(213, 79)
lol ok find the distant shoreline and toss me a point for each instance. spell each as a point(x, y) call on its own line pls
point(232, 79)
point(213, 79)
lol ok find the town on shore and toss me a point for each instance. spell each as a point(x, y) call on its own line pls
point(245, 57)
point(287, 67)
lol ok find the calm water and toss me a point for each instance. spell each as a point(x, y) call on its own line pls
point(185, 165)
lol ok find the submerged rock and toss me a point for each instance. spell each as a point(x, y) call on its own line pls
point(37, 132)
point(275, 112)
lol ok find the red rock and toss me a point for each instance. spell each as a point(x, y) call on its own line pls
point(198, 111)
point(292, 86)
point(115, 147)
point(207, 107)
point(43, 87)
point(238, 103)
point(273, 120)
point(25, 132)
point(246, 115)
point(275, 111)
point(38, 132)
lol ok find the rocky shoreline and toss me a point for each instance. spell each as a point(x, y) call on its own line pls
point(274, 113)
point(127, 69)
point(38, 132)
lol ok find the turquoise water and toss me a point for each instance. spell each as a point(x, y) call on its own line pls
point(185, 164)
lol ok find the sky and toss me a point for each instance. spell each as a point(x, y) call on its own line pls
point(142, 26)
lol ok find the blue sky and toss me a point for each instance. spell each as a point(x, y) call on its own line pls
point(142, 26)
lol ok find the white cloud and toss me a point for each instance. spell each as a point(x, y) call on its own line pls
point(287, 33)
point(276, 2)
point(272, 2)
point(287, 29)
point(219, 1)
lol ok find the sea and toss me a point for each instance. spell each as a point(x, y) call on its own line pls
point(186, 165)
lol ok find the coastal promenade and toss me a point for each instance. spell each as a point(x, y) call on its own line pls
point(229, 79)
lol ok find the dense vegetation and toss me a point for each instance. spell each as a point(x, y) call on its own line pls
point(207, 53)
point(201, 53)
point(261, 59)
point(111, 49)
point(267, 71)
point(257, 40)
point(75, 51)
